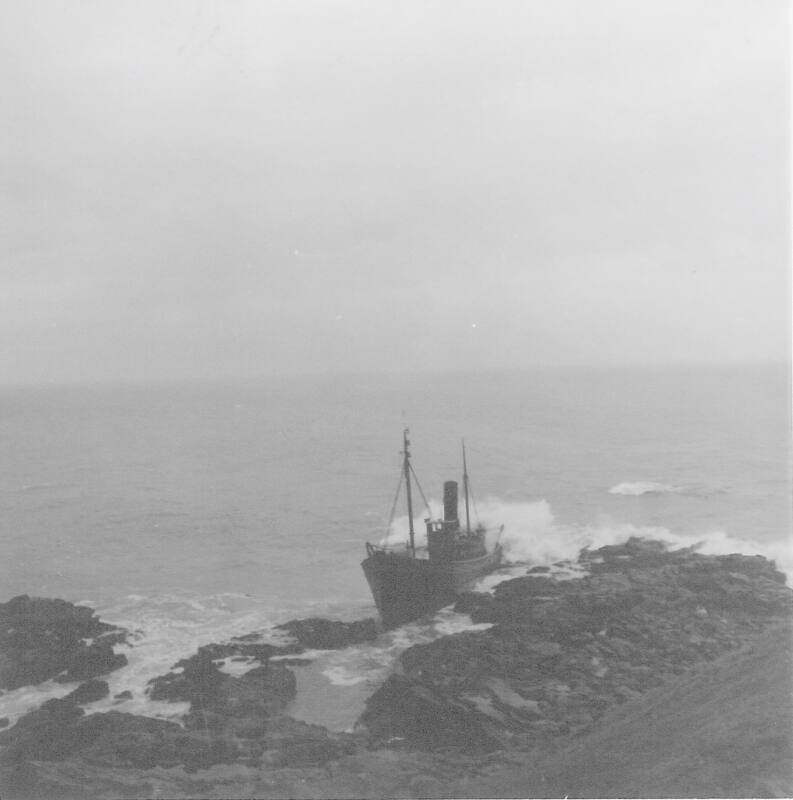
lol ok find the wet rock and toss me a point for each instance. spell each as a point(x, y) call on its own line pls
point(295, 662)
point(476, 604)
point(752, 566)
point(89, 692)
point(264, 690)
point(528, 586)
point(633, 553)
point(428, 718)
point(293, 743)
point(125, 695)
point(240, 648)
point(326, 634)
point(231, 720)
point(96, 659)
point(4, 722)
point(560, 654)
point(197, 684)
point(59, 730)
point(40, 638)
point(46, 734)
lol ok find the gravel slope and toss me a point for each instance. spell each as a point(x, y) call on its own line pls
point(723, 731)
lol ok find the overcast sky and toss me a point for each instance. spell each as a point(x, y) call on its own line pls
point(201, 188)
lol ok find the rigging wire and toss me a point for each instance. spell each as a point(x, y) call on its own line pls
point(421, 491)
point(473, 501)
point(394, 504)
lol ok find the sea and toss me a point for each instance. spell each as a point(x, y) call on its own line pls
point(193, 512)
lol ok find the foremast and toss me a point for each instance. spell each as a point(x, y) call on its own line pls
point(465, 489)
point(406, 474)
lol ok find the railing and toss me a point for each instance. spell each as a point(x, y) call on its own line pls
point(400, 549)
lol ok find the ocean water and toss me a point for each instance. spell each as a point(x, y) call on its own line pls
point(193, 512)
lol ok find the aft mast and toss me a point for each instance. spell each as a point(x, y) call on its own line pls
point(465, 488)
point(406, 471)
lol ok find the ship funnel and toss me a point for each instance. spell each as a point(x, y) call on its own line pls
point(450, 501)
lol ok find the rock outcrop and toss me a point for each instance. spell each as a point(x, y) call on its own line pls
point(472, 714)
point(560, 653)
point(326, 634)
point(230, 719)
point(261, 691)
point(42, 639)
point(89, 692)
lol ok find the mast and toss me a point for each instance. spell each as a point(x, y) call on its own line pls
point(406, 471)
point(465, 488)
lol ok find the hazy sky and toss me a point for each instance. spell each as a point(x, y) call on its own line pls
point(227, 188)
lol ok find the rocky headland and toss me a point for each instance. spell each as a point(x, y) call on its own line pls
point(657, 673)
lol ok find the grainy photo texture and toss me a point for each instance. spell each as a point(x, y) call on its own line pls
point(395, 399)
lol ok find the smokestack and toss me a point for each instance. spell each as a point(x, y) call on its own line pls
point(450, 501)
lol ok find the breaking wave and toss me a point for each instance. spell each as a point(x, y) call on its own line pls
point(637, 488)
point(169, 627)
point(532, 535)
point(162, 630)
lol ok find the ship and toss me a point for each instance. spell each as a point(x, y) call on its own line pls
point(408, 581)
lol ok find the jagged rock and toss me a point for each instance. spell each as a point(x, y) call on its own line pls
point(59, 729)
point(428, 719)
point(752, 566)
point(47, 734)
point(560, 654)
point(264, 690)
point(40, 638)
point(89, 692)
point(198, 683)
point(326, 634)
point(529, 586)
point(125, 695)
point(239, 648)
point(96, 659)
point(476, 604)
point(292, 743)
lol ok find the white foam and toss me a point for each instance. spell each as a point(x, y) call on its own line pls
point(170, 627)
point(304, 655)
point(341, 675)
point(15, 703)
point(637, 488)
point(489, 582)
point(236, 666)
point(371, 662)
point(533, 536)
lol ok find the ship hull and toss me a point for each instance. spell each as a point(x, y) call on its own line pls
point(405, 589)
point(466, 573)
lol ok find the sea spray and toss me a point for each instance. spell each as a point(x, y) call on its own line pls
point(533, 536)
point(167, 628)
point(638, 488)
point(642, 488)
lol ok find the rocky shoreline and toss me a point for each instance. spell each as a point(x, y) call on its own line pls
point(558, 656)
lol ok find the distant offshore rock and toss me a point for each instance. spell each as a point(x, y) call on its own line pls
point(43, 638)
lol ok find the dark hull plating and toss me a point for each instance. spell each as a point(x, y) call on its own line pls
point(405, 589)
